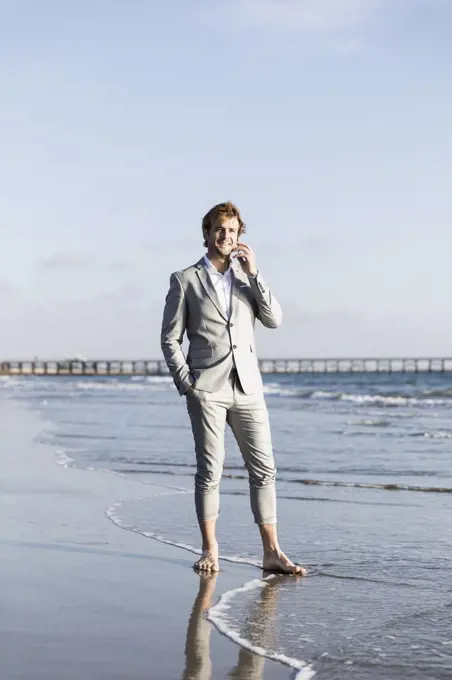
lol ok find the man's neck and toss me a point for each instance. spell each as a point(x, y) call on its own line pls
point(221, 264)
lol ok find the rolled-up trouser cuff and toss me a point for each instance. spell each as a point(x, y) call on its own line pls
point(263, 503)
point(207, 503)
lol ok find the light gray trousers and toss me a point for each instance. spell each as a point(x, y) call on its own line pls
point(247, 416)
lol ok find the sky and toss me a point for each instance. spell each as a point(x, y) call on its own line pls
point(328, 122)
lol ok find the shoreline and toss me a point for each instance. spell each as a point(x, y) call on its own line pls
point(86, 599)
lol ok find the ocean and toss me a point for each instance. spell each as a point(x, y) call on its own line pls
point(364, 489)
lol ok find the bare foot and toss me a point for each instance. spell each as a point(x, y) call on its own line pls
point(208, 561)
point(277, 561)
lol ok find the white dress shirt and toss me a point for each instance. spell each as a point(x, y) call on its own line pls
point(222, 284)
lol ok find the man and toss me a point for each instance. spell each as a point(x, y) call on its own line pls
point(216, 302)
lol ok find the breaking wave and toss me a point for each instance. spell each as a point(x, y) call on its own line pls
point(426, 398)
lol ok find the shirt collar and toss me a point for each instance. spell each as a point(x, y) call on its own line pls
point(213, 270)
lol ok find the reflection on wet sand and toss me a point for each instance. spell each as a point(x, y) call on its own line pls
point(260, 630)
point(198, 665)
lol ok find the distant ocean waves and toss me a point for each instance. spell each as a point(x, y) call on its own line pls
point(305, 387)
point(427, 398)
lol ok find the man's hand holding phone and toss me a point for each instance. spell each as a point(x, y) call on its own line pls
point(246, 258)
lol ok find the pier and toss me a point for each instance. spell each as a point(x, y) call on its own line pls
point(157, 367)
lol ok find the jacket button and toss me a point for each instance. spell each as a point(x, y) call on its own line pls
point(234, 346)
point(230, 325)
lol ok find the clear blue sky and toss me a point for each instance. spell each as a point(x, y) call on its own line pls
point(327, 122)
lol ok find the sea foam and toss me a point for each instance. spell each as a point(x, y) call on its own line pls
point(218, 616)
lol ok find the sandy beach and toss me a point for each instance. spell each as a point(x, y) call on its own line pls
point(83, 599)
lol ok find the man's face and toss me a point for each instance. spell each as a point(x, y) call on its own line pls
point(223, 236)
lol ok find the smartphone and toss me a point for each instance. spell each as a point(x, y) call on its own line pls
point(235, 253)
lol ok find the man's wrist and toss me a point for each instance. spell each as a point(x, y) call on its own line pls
point(253, 274)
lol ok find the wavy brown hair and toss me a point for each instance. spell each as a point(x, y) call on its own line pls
point(221, 211)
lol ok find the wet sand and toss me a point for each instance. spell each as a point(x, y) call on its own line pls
point(83, 599)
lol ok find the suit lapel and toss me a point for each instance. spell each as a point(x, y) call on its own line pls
point(236, 282)
point(209, 288)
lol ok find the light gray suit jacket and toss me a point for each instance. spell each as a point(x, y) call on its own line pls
point(216, 343)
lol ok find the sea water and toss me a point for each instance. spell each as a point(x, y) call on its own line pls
point(364, 502)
